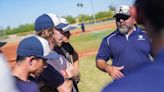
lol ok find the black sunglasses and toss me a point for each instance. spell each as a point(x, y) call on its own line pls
point(123, 17)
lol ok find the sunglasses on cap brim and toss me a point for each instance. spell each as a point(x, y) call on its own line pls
point(123, 17)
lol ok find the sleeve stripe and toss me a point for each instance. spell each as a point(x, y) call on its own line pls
point(109, 38)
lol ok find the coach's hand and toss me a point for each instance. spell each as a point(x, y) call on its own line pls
point(115, 72)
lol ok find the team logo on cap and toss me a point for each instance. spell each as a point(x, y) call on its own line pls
point(123, 9)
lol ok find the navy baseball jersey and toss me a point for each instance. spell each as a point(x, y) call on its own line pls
point(24, 86)
point(125, 51)
point(52, 76)
point(146, 78)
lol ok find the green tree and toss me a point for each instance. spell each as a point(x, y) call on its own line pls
point(20, 29)
point(104, 14)
point(70, 19)
point(112, 8)
point(83, 17)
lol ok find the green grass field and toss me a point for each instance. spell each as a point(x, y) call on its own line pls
point(92, 79)
point(87, 41)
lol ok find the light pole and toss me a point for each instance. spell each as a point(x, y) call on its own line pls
point(93, 11)
point(80, 5)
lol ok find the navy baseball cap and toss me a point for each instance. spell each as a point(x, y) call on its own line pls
point(48, 20)
point(68, 27)
point(32, 46)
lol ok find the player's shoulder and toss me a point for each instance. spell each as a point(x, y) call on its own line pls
point(140, 29)
point(110, 36)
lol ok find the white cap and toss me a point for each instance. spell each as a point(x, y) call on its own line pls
point(123, 9)
point(67, 27)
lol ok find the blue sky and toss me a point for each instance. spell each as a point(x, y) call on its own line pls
point(17, 12)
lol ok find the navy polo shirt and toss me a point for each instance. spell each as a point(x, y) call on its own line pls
point(125, 51)
point(146, 78)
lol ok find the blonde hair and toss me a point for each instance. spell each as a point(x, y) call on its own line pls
point(48, 34)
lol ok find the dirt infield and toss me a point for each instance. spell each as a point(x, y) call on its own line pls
point(10, 48)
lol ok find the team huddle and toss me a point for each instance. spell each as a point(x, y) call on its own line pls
point(47, 62)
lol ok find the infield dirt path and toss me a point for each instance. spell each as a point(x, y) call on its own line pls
point(10, 48)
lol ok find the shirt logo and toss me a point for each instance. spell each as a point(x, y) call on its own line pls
point(140, 37)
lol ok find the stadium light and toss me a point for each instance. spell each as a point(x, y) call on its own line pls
point(79, 5)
